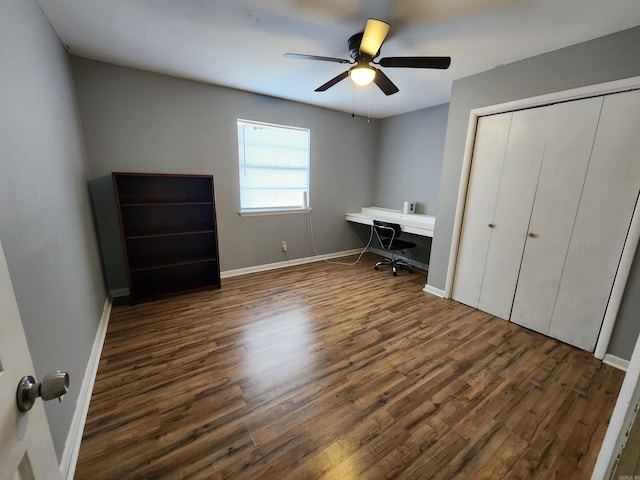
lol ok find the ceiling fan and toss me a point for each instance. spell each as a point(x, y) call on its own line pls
point(364, 47)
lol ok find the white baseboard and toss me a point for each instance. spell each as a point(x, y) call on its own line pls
point(286, 263)
point(74, 438)
point(617, 362)
point(434, 291)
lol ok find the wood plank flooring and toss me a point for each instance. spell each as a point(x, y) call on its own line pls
point(324, 371)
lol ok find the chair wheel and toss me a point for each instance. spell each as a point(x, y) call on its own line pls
point(375, 268)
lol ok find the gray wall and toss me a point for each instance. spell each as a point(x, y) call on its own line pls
point(45, 218)
point(410, 159)
point(605, 59)
point(105, 214)
point(145, 122)
point(627, 326)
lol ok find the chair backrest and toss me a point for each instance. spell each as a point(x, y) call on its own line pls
point(384, 230)
point(387, 229)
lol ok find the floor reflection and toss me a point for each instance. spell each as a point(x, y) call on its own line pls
point(278, 348)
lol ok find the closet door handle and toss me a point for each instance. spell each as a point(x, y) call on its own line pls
point(532, 235)
point(491, 225)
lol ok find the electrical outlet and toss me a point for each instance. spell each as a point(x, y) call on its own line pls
point(284, 245)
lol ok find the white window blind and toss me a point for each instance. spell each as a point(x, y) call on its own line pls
point(274, 166)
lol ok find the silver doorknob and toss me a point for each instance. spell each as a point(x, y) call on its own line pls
point(54, 385)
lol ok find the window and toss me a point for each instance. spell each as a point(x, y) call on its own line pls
point(274, 167)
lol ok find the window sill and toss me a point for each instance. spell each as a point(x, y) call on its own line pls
point(285, 211)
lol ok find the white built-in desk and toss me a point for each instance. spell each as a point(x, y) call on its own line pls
point(409, 222)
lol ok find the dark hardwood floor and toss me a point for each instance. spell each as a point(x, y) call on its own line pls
point(325, 371)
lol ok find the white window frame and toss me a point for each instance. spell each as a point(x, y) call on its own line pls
point(303, 205)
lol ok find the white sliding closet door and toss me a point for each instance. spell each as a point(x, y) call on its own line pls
point(492, 133)
point(549, 204)
point(525, 148)
point(608, 201)
point(570, 132)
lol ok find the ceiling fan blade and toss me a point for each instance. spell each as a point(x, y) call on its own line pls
point(316, 57)
point(441, 63)
point(385, 83)
point(332, 82)
point(374, 34)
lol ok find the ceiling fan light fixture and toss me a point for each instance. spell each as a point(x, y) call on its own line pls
point(362, 75)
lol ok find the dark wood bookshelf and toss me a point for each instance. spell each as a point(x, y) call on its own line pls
point(169, 233)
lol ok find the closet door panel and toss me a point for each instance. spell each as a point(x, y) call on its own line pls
point(608, 201)
point(486, 168)
point(570, 133)
point(520, 172)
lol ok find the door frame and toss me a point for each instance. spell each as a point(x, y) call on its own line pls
point(633, 237)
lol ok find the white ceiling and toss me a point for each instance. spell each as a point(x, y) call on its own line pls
point(240, 43)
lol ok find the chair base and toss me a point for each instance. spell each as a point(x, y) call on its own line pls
point(396, 264)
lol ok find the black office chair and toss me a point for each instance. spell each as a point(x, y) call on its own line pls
point(388, 235)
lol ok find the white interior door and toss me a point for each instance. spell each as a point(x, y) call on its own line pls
point(525, 149)
point(26, 448)
point(570, 133)
point(492, 133)
point(608, 202)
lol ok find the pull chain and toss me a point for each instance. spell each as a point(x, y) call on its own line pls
point(353, 98)
point(369, 105)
